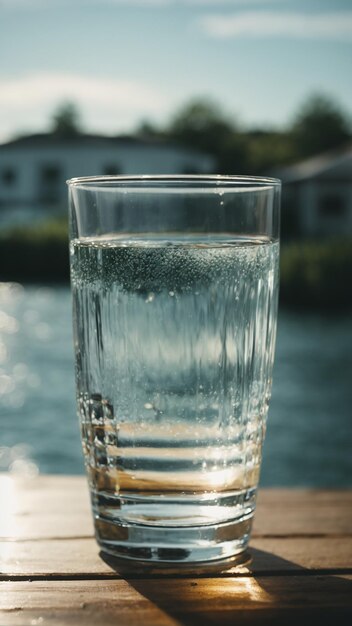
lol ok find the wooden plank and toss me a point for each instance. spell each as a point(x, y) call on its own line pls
point(47, 530)
point(58, 506)
point(45, 506)
point(167, 602)
point(259, 617)
point(312, 512)
point(80, 557)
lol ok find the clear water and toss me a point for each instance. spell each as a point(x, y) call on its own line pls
point(309, 431)
point(174, 351)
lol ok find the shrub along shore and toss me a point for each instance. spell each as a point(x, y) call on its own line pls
point(315, 274)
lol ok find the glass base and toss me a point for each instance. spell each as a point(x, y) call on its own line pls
point(180, 529)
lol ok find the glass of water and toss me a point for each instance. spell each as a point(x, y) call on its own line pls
point(175, 284)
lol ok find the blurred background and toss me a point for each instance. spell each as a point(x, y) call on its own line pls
point(259, 87)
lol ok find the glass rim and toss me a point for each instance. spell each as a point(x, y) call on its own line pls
point(174, 181)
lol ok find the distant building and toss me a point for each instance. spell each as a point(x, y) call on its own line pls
point(33, 169)
point(317, 194)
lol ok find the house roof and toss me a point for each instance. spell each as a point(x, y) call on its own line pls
point(46, 140)
point(333, 165)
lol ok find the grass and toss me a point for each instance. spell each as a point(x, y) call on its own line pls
point(317, 274)
point(35, 254)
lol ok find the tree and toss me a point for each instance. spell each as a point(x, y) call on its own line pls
point(320, 125)
point(146, 128)
point(66, 120)
point(202, 125)
point(268, 150)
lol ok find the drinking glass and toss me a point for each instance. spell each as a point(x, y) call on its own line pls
point(175, 284)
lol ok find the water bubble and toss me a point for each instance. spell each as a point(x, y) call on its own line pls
point(150, 298)
point(171, 293)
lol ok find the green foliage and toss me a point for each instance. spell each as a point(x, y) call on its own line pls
point(146, 128)
point(320, 125)
point(267, 150)
point(317, 274)
point(35, 254)
point(314, 274)
point(201, 124)
point(66, 120)
point(51, 230)
point(232, 156)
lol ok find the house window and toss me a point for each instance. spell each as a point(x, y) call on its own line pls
point(8, 176)
point(332, 205)
point(111, 170)
point(51, 182)
point(50, 174)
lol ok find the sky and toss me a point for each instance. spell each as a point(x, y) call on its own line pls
point(124, 61)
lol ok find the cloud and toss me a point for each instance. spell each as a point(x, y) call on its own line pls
point(279, 24)
point(106, 105)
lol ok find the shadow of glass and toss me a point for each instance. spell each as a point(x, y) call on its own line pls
point(260, 588)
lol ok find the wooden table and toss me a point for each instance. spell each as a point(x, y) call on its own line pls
point(52, 573)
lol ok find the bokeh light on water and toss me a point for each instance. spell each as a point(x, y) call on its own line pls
point(309, 425)
point(39, 430)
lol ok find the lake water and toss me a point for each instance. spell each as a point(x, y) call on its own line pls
point(309, 432)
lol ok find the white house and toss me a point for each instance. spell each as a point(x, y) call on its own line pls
point(33, 169)
point(318, 193)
